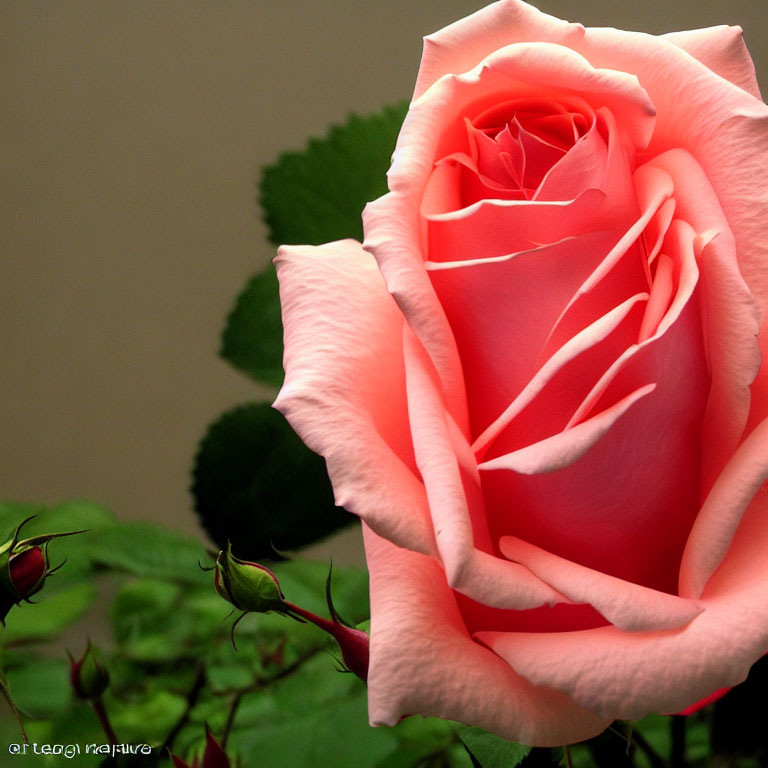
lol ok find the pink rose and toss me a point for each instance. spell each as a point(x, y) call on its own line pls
point(538, 381)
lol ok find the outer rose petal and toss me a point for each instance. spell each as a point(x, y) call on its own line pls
point(721, 49)
point(423, 660)
point(460, 46)
point(344, 390)
point(617, 673)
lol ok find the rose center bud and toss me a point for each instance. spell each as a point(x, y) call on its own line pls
point(511, 147)
point(572, 292)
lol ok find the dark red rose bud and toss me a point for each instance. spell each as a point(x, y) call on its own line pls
point(88, 676)
point(22, 573)
point(24, 567)
point(27, 571)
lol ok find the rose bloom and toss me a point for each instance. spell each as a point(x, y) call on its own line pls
point(538, 381)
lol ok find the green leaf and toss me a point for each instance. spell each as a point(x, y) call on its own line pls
point(309, 197)
point(257, 485)
point(41, 687)
point(149, 550)
point(253, 336)
point(139, 602)
point(489, 750)
point(50, 616)
point(317, 195)
point(69, 516)
point(319, 718)
point(157, 621)
point(147, 719)
point(420, 738)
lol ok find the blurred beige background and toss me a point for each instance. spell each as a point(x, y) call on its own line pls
point(132, 134)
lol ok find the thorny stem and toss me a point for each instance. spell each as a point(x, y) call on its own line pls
point(231, 717)
point(192, 696)
point(14, 709)
point(257, 685)
point(101, 713)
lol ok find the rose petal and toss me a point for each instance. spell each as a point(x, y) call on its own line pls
point(617, 673)
point(722, 50)
point(560, 450)
point(620, 269)
point(722, 511)
point(730, 312)
point(617, 322)
point(626, 605)
point(601, 511)
point(681, 244)
point(461, 46)
point(392, 225)
point(717, 94)
point(478, 574)
point(730, 142)
point(501, 299)
point(344, 390)
point(413, 668)
point(583, 167)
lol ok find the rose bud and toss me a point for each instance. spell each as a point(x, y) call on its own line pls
point(27, 571)
point(542, 379)
point(24, 567)
point(21, 575)
point(214, 757)
point(248, 586)
point(252, 587)
point(88, 676)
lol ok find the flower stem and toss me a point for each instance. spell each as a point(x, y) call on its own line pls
point(14, 709)
point(101, 713)
point(231, 717)
point(192, 696)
